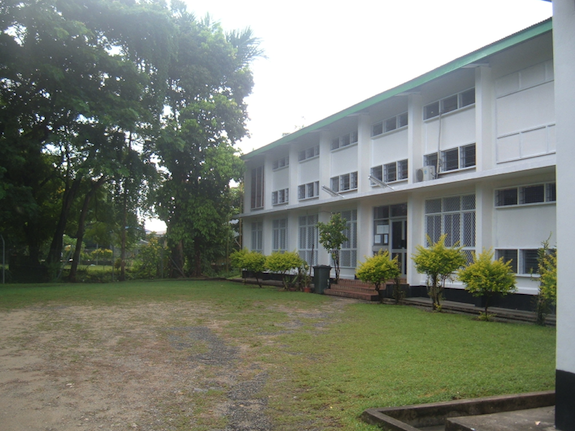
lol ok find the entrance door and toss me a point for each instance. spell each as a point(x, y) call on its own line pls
point(399, 243)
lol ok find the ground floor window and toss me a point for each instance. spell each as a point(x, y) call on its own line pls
point(523, 261)
point(308, 239)
point(348, 254)
point(454, 216)
point(257, 236)
point(279, 238)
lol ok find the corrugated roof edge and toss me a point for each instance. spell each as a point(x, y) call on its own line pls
point(513, 39)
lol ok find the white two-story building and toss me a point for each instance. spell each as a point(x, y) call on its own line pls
point(467, 149)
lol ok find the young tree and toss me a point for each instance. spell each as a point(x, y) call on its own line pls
point(332, 237)
point(439, 263)
point(547, 270)
point(378, 269)
point(485, 277)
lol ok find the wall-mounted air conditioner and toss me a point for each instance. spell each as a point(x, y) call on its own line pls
point(426, 173)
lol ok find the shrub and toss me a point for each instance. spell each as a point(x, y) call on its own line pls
point(151, 259)
point(486, 277)
point(378, 269)
point(283, 263)
point(331, 237)
point(547, 269)
point(252, 261)
point(438, 262)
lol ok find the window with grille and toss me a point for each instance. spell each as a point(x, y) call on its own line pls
point(308, 239)
point(458, 158)
point(308, 191)
point(344, 183)
point(525, 195)
point(280, 197)
point(279, 232)
point(454, 216)
point(389, 125)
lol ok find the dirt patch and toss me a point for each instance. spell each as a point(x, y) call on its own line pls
point(96, 368)
point(147, 367)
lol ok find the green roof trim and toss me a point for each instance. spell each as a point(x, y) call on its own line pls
point(472, 57)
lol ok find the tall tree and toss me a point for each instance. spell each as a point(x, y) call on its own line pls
point(209, 80)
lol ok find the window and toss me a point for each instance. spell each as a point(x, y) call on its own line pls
point(449, 104)
point(280, 197)
point(381, 221)
point(257, 188)
point(458, 158)
point(377, 172)
point(279, 232)
point(308, 191)
point(308, 153)
point(308, 239)
point(348, 252)
point(508, 256)
point(389, 125)
point(257, 236)
point(344, 183)
point(523, 261)
point(390, 172)
point(280, 163)
point(532, 194)
point(454, 216)
point(344, 140)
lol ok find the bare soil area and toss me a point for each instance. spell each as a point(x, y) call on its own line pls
point(156, 366)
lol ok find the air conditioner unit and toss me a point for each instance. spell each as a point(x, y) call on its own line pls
point(426, 173)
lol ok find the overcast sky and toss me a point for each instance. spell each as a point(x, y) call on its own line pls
point(322, 56)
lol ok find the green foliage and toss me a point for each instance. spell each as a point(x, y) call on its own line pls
point(547, 269)
point(378, 269)
point(332, 237)
point(439, 263)
point(252, 261)
point(485, 277)
point(101, 254)
point(151, 259)
point(284, 263)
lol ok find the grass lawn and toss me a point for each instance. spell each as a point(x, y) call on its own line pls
point(326, 360)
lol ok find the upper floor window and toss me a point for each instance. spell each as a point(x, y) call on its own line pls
point(257, 188)
point(390, 172)
point(449, 104)
point(280, 197)
point(308, 153)
point(344, 140)
point(453, 159)
point(280, 163)
point(393, 123)
point(308, 191)
point(343, 183)
point(537, 193)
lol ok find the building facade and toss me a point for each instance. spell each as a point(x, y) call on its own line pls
point(466, 150)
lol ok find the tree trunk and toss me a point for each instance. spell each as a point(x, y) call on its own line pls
point(177, 260)
point(81, 227)
point(197, 259)
point(55, 252)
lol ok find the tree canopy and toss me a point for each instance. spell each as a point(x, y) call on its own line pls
point(122, 96)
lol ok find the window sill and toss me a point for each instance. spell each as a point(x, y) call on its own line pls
point(308, 199)
point(391, 132)
point(335, 150)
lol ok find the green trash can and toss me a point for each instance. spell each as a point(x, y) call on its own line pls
point(321, 278)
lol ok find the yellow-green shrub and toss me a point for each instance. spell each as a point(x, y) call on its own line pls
point(378, 269)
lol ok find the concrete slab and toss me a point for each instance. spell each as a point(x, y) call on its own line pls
point(540, 419)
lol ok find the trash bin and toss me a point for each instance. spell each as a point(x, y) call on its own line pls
point(321, 278)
